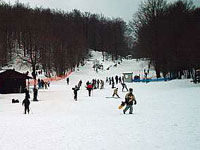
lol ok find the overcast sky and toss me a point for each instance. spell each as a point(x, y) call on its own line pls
point(109, 8)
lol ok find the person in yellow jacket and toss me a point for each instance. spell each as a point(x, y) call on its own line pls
point(129, 99)
point(115, 93)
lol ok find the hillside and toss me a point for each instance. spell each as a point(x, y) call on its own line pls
point(166, 116)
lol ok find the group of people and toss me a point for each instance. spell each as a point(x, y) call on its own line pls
point(114, 80)
point(96, 84)
point(42, 84)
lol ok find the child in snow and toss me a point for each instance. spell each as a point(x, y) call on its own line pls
point(26, 104)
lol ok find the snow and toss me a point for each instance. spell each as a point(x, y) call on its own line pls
point(165, 118)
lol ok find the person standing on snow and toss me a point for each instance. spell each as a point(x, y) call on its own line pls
point(67, 81)
point(26, 102)
point(75, 89)
point(89, 88)
point(129, 99)
point(102, 84)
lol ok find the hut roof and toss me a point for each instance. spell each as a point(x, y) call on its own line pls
point(12, 74)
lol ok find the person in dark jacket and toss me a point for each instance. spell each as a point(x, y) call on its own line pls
point(75, 89)
point(27, 95)
point(67, 81)
point(26, 101)
point(26, 104)
point(129, 99)
point(124, 86)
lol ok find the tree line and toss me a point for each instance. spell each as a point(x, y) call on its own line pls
point(56, 39)
point(168, 35)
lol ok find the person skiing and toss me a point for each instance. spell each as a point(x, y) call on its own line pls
point(67, 81)
point(115, 93)
point(79, 83)
point(75, 89)
point(124, 86)
point(89, 88)
point(26, 104)
point(129, 99)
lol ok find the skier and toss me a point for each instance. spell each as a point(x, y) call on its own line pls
point(116, 79)
point(129, 98)
point(89, 88)
point(67, 81)
point(115, 93)
point(102, 84)
point(124, 86)
point(76, 88)
point(79, 83)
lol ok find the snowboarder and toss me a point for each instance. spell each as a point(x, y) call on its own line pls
point(129, 99)
point(76, 88)
point(115, 93)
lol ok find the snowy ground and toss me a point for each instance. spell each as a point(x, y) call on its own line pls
point(165, 118)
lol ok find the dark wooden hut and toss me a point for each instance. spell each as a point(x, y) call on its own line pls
point(12, 81)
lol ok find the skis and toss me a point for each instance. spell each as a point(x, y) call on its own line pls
point(114, 97)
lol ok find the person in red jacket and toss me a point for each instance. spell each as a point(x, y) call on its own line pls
point(89, 88)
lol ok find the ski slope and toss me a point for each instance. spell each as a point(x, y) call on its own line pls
point(165, 118)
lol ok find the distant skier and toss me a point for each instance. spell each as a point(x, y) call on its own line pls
point(102, 84)
point(129, 99)
point(67, 81)
point(124, 86)
point(79, 83)
point(75, 89)
point(116, 79)
point(115, 93)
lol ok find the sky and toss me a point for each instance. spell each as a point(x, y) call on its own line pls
point(109, 8)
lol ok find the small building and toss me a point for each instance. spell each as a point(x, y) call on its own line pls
point(12, 81)
point(128, 77)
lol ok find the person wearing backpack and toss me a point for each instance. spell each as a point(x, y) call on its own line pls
point(129, 100)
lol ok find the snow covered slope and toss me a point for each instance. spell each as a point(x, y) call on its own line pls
point(165, 118)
